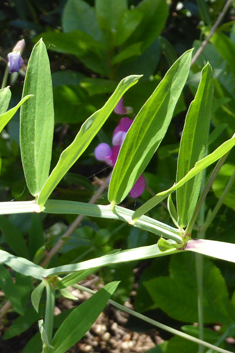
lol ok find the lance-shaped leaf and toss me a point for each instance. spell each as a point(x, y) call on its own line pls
point(193, 146)
point(199, 166)
point(85, 135)
point(148, 130)
point(5, 96)
point(6, 117)
point(37, 120)
point(80, 320)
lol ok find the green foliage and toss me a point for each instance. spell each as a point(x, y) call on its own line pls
point(221, 182)
point(93, 45)
point(87, 132)
point(37, 120)
point(6, 117)
point(5, 96)
point(148, 130)
point(81, 319)
point(181, 304)
point(199, 166)
point(13, 237)
point(193, 146)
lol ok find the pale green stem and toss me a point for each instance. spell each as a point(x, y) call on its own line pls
point(199, 274)
point(49, 313)
point(219, 204)
point(156, 323)
point(4, 80)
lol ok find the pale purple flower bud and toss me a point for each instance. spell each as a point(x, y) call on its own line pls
point(15, 60)
point(138, 188)
point(103, 153)
point(19, 47)
point(118, 138)
point(120, 109)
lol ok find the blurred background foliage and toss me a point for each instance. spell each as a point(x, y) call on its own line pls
point(92, 45)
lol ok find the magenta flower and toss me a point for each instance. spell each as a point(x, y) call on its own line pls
point(120, 109)
point(15, 60)
point(103, 152)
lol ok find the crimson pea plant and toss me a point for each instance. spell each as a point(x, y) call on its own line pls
point(136, 145)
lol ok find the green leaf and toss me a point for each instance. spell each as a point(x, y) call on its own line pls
point(199, 166)
point(179, 344)
point(78, 101)
point(225, 47)
point(177, 295)
point(97, 85)
point(9, 288)
point(5, 96)
point(34, 344)
point(92, 53)
point(37, 120)
point(22, 323)
point(204, 11)
point(74, 278)
point(81, 319)
point(23, 288)
point(37, 294)
point(172, 210)
point(85, 135)
point(128, 23)
point(36, 235)
point(13, 237)
point(221, 182)
point(44, 337)
point(168, 50)
point(6, 117)
point(193, 146)
point(78, 14)
point(127, 53)
point(109, 14)
point(208, 334)
point(154, 15)
point(148, 130)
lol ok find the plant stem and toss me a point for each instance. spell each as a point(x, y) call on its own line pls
point(156, 323)
point(49, 313)
point(4, 80)
point(74, 225)
point(212, 31)
point(199, 274)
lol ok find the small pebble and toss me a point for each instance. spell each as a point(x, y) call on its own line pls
point(106, 336)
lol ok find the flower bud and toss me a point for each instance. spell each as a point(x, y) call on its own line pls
point(15, 60)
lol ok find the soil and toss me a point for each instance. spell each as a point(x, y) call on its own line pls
point(107, 335)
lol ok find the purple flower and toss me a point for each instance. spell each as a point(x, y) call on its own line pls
point(120, 109)
point(103, 152)
point(15, 60)
point(138, 188)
